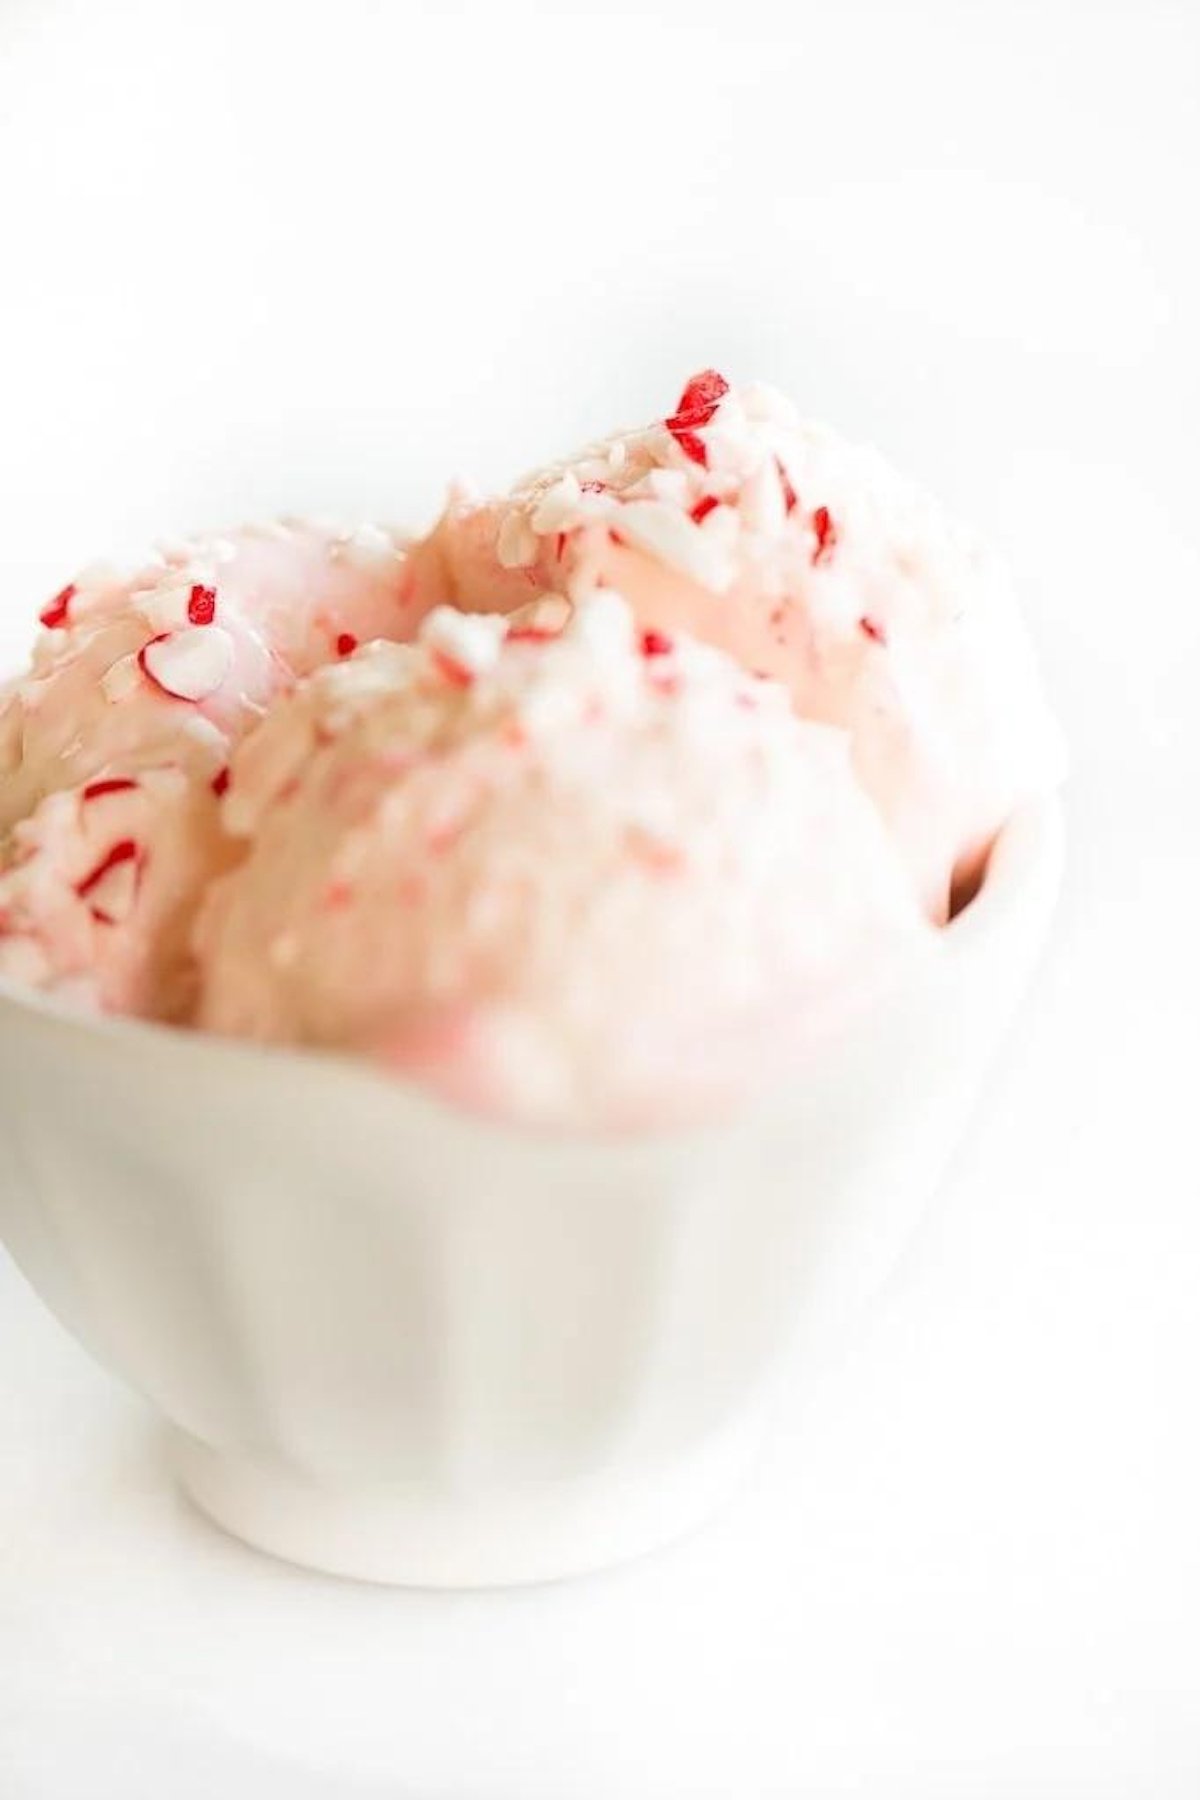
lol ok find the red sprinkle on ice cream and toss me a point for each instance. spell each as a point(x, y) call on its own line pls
point(202, 605)
point(56, 615)
point(111, 886)
point(825, 533)
point(697, 405)
point(116, 784)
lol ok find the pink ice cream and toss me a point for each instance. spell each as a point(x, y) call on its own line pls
point(116, 744)
point(98, 890)
point(592, 879)
point(808, 559)
point(173, 664)
point(727, 722)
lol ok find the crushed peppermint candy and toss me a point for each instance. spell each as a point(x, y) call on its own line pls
point(763, 503)
point(57, 615)
point(697, 405)
point(365, 546)
point(462, 645)
point(202, 605)
point(656, 643)
point(700, 398)
point(114, 784)
point(110, 889)
point(346, 643)
point(188, 665)
point(825, 532)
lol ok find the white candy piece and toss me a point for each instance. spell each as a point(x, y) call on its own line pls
point(189, 665)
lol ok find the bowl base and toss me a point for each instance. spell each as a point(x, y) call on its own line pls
point(407, 1535)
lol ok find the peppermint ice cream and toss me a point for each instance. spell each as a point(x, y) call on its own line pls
point(599, 878)
point(809, 559)
point(172, 664)
point(98, 890)
point(114, 748)
point(600, 805)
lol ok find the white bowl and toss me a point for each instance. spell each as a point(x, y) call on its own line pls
point(407, 1345)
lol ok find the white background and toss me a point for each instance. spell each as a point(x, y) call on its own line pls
point(325, 255)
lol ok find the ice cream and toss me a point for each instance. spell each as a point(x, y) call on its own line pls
point(595, 878)
point(808, 559)
point(114, 748)
point(602, 804)
point(172, 664)
point(98, 889)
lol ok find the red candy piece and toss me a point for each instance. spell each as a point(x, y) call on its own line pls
point(220, 782)
point(56, 616)
point(347, 643)
point(697, 404)
point(100, 883)
point(873, 629)
point(202, 605)
point(656, 643)
point(116, 784)
point(125, 851)
point(703, 507)
point(701, 398)
point(826, 534)
point(689, 443)
point(790, 496)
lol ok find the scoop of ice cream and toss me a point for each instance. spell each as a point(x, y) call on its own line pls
point(594, 878)
point(98, 890)
point(114, 748)
point(808, 559)
point(172, 664)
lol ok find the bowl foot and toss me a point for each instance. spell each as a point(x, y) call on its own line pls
point(414, 1535)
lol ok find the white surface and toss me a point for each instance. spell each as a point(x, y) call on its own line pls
point(970, 1565)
